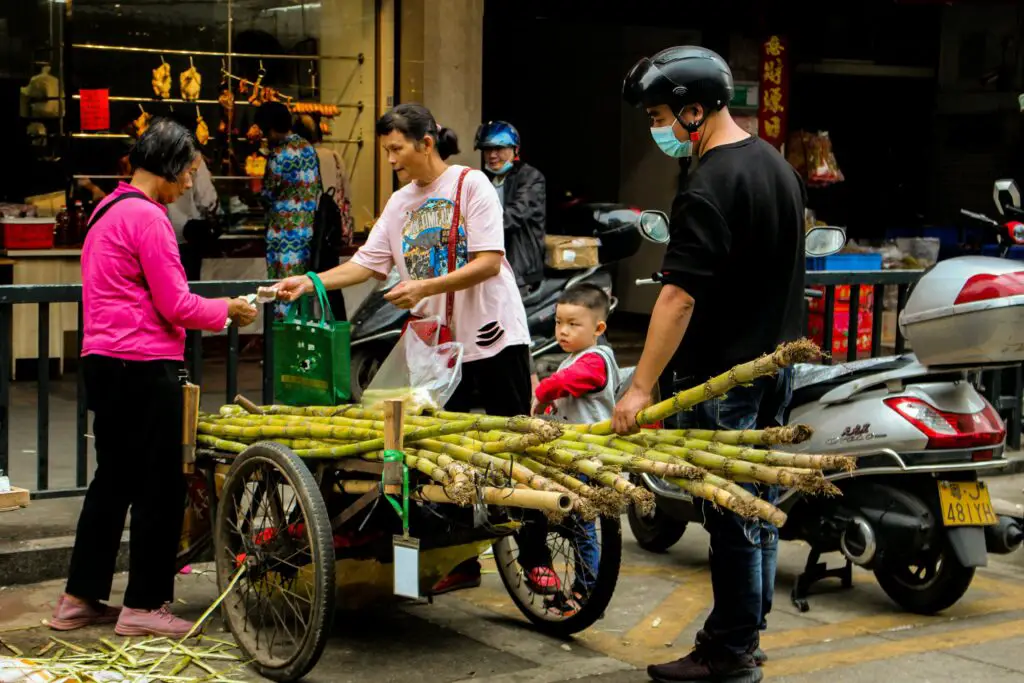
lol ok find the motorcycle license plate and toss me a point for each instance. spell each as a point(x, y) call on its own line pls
point(965, 503)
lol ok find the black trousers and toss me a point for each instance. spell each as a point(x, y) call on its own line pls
point(500, 384)
point(137, 408)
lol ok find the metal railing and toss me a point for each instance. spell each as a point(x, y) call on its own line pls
point(47, 295)
point(877, 281)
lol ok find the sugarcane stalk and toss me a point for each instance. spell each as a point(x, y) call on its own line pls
point(734, 467)
point(593, 501)
point(547, 501)
point(417, 460)
point(762, 508)
point(307, 430)
point(772, 436)
point(221, 444)
point(765, 457)
point(546, 429)
point(721, 497)
point(769, 364)
point(485, 461)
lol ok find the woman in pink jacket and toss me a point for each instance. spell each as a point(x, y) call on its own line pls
point(136, 308)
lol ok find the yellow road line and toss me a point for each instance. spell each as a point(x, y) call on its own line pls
point(880, 623)
point(894, 648)
point(677, 611)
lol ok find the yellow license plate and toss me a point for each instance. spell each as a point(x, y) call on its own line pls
point(965, 503)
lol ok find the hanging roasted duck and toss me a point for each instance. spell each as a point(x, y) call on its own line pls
point(162, 79)
point(202, 131)
point(191, 82)
point(142, 123)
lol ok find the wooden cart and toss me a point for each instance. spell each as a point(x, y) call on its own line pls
point(313, 536)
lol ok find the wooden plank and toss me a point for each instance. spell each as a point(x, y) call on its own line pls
point(394, 423)
point(14, 499)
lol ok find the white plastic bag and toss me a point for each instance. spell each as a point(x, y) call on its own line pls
point(420, 372)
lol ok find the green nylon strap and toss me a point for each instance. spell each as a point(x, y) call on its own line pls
point(403, 508)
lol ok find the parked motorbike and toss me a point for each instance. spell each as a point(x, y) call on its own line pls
point(377, 324)
point(914, 510)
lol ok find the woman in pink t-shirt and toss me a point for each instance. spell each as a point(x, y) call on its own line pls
point(136, 306)
point(412, 234)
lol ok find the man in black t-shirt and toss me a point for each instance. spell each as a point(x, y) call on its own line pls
point(734, 279)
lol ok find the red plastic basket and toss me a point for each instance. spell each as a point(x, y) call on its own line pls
point(27, 233)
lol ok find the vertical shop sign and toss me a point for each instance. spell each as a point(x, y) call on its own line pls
point(95, 109)
point(772, 111)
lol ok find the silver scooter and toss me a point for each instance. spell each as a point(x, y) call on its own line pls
point(914, 510)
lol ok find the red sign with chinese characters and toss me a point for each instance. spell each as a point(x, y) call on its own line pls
point(772, 111)
point(95, 109)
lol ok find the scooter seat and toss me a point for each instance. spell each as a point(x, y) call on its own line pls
point(811, 382)
point(538, 294)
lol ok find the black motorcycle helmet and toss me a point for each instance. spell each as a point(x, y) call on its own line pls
point(680, 76)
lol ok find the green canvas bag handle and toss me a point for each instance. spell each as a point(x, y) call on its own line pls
point(326, 314)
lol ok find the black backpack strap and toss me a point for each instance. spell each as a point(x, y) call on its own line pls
point(106, 207)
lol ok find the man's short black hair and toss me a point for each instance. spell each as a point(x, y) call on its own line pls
point(166, 149)
point(274, 116)
point(588, 296)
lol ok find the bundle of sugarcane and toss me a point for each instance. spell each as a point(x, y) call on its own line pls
point(584, 467)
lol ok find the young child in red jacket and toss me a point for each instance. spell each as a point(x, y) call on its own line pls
point(582, 391)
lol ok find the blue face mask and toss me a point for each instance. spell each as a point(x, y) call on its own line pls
point(503, 170)
point(669, 144)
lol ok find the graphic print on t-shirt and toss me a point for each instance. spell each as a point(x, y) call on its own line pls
point(490, 334)
point(425, 239)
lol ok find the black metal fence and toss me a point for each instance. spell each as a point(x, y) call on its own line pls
point(1008, 402)
point(48, 295)
point(859, 281)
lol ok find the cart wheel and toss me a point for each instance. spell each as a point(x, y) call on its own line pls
point(272, 518)
point(582, 600)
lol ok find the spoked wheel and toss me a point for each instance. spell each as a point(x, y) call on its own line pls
point(272, 519)
point(581, 595)
point(928, 584)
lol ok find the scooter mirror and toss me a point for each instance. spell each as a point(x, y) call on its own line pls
point(654, 226)
point(1005, 193)
point(824, 241)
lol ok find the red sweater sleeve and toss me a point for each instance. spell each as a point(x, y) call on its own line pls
point(587, 374)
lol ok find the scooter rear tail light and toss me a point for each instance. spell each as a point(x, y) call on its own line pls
point(985, 286)
point(947, 430)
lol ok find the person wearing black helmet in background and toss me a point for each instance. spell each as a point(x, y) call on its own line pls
point(733, 287)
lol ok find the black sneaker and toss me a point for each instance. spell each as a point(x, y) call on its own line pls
point(698, 667)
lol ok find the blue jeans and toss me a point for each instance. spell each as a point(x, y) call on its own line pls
point(743, 552)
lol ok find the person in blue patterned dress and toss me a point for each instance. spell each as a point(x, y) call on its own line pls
point(291, 187)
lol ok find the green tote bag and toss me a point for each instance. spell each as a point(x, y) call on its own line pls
point(312, 358)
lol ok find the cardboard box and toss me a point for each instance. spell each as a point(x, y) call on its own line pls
point(571, 253)
point(14, 499)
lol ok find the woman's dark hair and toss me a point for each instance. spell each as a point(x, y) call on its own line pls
point(166, 149)
point(415, 122)
point(274, 116)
